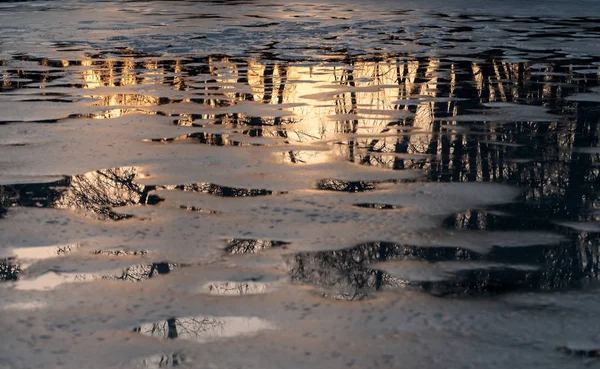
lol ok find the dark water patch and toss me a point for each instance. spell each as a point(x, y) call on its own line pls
point(251, 246)
point(205, 16)
point(503, 218)
point(482, 282)
point(66, 101)
point(574, 350)
point(31, 194)
point(153, 199)
point(255, 16)
point(461, 29)
point(42, 121)
point(261, 25)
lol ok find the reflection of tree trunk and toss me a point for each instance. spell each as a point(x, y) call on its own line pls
point(445, 160)
point(457, 158)
point(268, 83)
point(432, 149)
point(401, 147)
point(175, 360)
point(485, 161)
point(256, 131)
point(383, 253)
point(353, 106)
point(160, 268)
point(576, 190)
point(257, 122)
point(474, 220)
point(500, 159)
point(577, 194)
point(283, 71)
point(472, 153)
point(172, 325)
point(242, 72)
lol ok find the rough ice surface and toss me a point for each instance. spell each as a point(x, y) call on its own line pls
point(310, 184)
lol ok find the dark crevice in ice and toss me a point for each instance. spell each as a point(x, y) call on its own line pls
point(377, 206)
point(224, 191)
point(345, 186)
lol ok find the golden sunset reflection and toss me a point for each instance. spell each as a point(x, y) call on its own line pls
point(370, 112)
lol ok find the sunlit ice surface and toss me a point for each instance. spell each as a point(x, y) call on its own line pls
point(312, 184)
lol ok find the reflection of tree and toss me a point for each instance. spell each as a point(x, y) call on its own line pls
point(135, 273)
point(164, 361)
point(5, 201)
point(346, 274)
point(345, 186)
point(559, 184)
point(236, 288)
point(97, 192)
point(121, 252)
point(9, 270)
point(224, 191)
point(93, 193)
point(246, 246)
point(145, 271)
point(174, 328)
point(342, 274)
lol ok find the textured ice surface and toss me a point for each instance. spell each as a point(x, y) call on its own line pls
point(311, 184)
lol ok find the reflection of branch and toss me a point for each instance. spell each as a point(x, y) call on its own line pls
point(245, 246)
point(9, 270)
point(302, 134)
point(184, 327)
point(345, 186)
point(142, 272)
point(236, 288)
point(224, 191)
point(97, 192)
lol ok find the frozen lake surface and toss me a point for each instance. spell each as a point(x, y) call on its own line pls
point(247, 184)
